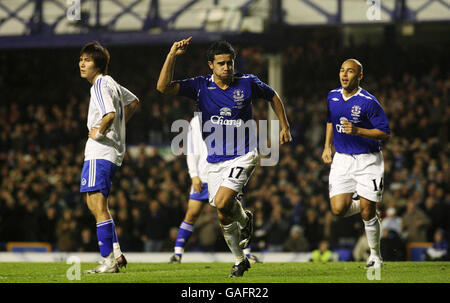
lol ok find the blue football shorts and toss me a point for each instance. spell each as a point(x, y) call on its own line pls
point(97, 175)
point(201, 196)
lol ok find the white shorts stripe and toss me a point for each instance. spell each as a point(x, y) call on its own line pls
point(104, 222)
point(186, 226)
point(91, 169)
point(92, 173)
point(95, 172)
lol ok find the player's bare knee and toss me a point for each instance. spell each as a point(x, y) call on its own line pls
point(225, 211)
point(223, 204)
point(367, 214)
point(99, 214)
point(224, 208)
point(224, 220)
point(337, 211)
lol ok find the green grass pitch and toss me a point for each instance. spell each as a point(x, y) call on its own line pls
point(339, 272)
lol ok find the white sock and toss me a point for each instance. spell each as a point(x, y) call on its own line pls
point(238, 213)
point(247, 251)
point(354, 208)
point(179, 250)
point(231, 233)
point(373, 236)
point(116, 249)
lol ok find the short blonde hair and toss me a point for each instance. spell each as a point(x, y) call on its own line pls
point(360, 66)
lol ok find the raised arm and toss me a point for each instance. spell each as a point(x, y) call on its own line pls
point(165, 84)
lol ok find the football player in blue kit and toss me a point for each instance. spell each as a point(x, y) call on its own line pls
point(356, 126)
point(224, 99)
point(198, 197)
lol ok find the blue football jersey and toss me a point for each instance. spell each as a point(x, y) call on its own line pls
point(363, 110)
point(227, 112)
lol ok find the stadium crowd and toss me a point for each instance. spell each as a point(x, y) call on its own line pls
point(43, 133)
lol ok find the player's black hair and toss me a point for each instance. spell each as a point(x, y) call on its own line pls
point(99, 54)
point(219, 48)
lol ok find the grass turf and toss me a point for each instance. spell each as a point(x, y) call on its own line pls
point(339, 272)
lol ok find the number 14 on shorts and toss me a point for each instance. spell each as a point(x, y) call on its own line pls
point(380, 185)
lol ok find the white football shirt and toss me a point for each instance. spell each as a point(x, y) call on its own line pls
point(197, 151)
point(107, 96)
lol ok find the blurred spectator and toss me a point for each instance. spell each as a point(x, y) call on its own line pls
point(88, 242)
point(313, 229)
point(66, 232)
point(391, 223)
point(156, 228)
point(361, 251)
point(138, 228)
point(322, 253)
point(259, 232)
point(30, 221)
point(207, 229)
point(47, 226)
point(415, 223)
point(391, 242)
point(58, 204)
point(329, 231)
point(439, 251)
point(436, 213)
point(169, 243)
point(276, 230)
point(296, 241)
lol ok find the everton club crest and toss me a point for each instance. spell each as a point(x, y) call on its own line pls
point(238, 95)
point(356, 113)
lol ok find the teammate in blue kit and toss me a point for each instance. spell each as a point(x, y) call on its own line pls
point(110, 107)
point(224, 99)
point(356, 125)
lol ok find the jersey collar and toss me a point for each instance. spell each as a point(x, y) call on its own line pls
point(212, 80)
point(98, 78)
point(346, 99)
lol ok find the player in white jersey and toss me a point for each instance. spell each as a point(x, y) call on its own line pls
point(198, 198)
point(356, 125)
point(110, 107)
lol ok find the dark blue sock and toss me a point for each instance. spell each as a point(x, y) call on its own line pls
point(105, 237)
point(184, 233)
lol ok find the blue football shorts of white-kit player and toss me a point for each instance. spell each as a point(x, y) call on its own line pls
point(227, 111)
point(358, 164)
point(102, 158)
point(196, 159)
